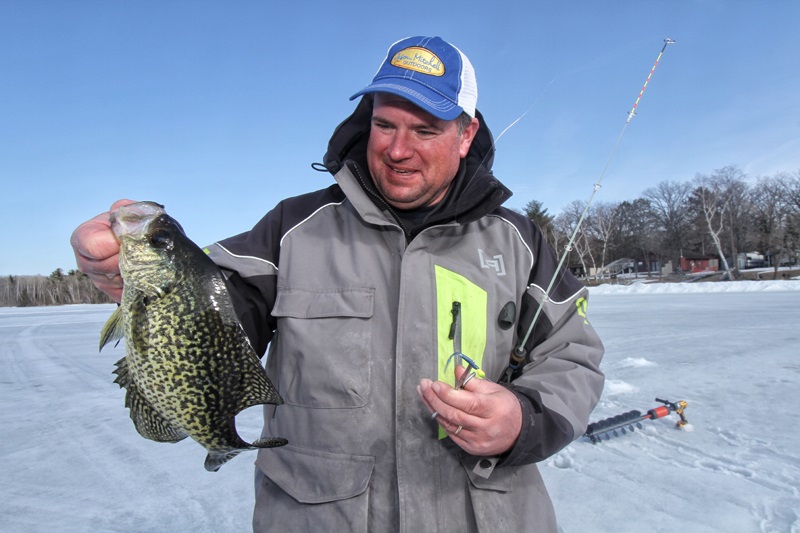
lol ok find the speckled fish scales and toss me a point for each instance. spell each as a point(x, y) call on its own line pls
point(189, 367)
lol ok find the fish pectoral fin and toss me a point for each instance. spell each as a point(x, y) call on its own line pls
point(147, 421)
point(114, 329)
point(269, 442)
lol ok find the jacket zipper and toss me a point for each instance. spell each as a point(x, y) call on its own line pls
point(355, 169)
point(455, 327)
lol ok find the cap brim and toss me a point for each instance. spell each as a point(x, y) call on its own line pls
point(427, 100)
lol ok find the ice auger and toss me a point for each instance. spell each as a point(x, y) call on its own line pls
point(632, 419)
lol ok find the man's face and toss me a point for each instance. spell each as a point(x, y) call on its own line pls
point(412, 155)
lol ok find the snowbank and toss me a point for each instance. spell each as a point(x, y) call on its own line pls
point(645, 287)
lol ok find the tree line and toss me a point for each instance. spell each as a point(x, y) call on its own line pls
point(722, 215)
point(59, 288)
point(719, 215)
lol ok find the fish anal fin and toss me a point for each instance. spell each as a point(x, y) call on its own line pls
point(214, 460)
point(148, 421)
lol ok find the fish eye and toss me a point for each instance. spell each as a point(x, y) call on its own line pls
point(160, 239)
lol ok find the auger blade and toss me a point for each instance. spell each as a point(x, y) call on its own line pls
point(622, 423)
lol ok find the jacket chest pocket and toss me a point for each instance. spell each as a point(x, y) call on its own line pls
point(322, 350)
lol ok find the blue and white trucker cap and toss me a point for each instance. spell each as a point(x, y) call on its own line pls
point(431, 73)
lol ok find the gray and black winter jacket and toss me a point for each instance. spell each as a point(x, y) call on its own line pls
point(355, 301)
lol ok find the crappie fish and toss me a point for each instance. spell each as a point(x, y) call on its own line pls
point(189, 367)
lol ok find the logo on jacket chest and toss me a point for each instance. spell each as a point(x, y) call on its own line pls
point(494, 262)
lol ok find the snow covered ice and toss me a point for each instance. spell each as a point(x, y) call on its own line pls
point(72, 460)
point(731, 351)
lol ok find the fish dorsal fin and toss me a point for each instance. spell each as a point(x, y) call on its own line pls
point(114, 329)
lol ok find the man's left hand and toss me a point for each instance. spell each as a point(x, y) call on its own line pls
point(489, 414)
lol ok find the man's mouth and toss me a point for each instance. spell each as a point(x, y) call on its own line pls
point(401, 171)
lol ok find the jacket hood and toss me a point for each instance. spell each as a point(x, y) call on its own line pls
point(474, 192)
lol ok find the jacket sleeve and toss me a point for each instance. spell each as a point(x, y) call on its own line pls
point(249, 262)
point(560, 381)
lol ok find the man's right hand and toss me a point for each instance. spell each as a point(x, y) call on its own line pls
point(97, 252)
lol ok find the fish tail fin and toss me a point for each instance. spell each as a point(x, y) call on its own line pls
point(214, 460)
point(269, 442)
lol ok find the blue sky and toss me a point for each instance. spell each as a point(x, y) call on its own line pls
point(218, 109)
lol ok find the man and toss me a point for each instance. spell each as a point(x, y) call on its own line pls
point(369, 292)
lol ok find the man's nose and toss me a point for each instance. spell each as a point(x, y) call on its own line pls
point(402, 146)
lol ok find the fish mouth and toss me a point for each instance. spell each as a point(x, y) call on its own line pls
point(133, 219)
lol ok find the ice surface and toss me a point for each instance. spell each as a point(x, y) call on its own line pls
point(72, 460)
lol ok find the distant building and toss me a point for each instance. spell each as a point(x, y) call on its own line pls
point(750, 260)
point(692, 262)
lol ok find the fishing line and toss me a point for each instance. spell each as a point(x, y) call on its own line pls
point(558, 76)
point(519, 352)
point(530, 108)
point(511, 125)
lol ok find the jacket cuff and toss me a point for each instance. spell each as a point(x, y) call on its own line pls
point(518, 455)
point(543, 432)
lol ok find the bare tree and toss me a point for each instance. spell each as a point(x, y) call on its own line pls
point(636, 233)
point(791, 184)
point(711, 193)
point(669, 203)
point(731, 181)
point(601, 225)
point(565, 224)
point(770, 214)
point(583, 249)
point(791, 194)
point(710, 214)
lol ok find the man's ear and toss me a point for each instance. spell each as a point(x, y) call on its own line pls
point(468, 136)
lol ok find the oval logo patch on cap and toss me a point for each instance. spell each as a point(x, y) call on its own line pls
point(419, 60)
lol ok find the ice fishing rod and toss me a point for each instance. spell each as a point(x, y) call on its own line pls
point(519, 353)
point(613, 426)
